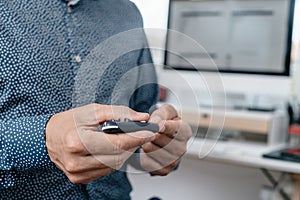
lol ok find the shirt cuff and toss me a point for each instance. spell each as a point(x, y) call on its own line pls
point(22, 146)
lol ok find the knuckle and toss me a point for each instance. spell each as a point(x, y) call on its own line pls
point(72, 166)
point(119, 146)
point(142, 141)
point(74, 179)
point(52, 157)
point(168, 107)
point(73, 145)
point(159, 137)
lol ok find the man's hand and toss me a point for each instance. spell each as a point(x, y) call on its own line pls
point(161, 155)
point(83, 153)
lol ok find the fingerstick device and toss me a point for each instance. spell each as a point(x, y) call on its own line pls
point(127, 126)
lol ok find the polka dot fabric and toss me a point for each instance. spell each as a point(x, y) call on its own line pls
point(42, 45)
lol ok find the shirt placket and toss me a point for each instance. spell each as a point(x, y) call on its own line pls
point(72, 24)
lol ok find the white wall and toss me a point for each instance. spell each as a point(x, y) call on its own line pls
point(154, 12)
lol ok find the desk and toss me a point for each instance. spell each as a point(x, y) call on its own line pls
point(241, 153)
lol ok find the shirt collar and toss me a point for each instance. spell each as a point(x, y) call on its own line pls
point(73, 2)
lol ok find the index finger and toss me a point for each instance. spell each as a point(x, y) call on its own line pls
point(110, 112)
point(95, 114)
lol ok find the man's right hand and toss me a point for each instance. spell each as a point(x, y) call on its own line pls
point(83, 153)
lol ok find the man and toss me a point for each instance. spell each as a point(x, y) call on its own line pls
point(50, 144)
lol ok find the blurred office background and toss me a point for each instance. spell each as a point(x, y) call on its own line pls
point(206, 179)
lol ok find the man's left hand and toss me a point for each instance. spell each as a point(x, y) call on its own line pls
point(162, 155)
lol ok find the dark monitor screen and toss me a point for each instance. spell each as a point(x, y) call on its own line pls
point(239, 36)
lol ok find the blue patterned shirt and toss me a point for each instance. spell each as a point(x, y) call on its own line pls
point(43, 44)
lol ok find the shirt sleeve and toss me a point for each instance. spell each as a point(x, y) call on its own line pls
point(146, 95)
point(22, 147)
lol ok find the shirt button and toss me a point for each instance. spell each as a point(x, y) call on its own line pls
point(77, 59)
point(69, 9)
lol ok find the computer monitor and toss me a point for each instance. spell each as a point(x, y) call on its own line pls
point(239, 36)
